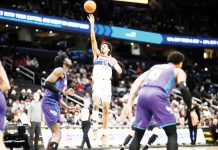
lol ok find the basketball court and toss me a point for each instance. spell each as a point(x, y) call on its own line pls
point(180, 148)
point(163, 148)
point(190, 148)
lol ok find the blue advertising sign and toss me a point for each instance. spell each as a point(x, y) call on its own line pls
point(189, 41)
point(136, 35)
point(42, 20)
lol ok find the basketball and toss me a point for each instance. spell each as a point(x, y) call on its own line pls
point(90, 6)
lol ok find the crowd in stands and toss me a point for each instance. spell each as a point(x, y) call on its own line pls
point(26, 61)
point(172, 17)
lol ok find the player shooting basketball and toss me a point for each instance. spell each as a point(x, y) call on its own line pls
point(102, 73)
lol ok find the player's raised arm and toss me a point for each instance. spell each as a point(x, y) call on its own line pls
point(95, 49)
point(4, 82)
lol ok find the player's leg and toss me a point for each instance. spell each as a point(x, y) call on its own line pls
point(56, 137)
point(95, 99)
point(155, 131)
point(163, 115)
point(172, 137)
point(95, 113)
point(96, 96)
point(2, 145)
point(106, 99)
point(105, 110)
point(142, 118)
point(52, 118)
point(105, 106)
point(128, 138)
point(135, 144)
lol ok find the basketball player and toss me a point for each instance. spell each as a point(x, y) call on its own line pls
point(153, 88)
point(102, 73)
point(56, 84)
point(151, 127)
point(4, 86)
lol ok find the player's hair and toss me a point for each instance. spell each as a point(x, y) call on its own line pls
point(109, 46)
point(59, 60)
point(175, 57)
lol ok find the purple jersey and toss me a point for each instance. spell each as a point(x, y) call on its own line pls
point(50, 102)
point(161, 76)
point(3, 108)
point(55, 97)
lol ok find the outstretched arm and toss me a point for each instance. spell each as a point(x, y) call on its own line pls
point(116, 65)
point(135, 88)
point(133, 93)
point(95, 49)
point(4, 82)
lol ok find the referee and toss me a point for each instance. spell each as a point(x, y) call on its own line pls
point(86, 124)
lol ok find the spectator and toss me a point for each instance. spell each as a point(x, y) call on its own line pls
point(35, 117)
point(23, 117)
point(23, 95)
point(214, 130)
point(16, 105)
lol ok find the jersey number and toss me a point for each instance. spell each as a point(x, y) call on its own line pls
point(154, 74)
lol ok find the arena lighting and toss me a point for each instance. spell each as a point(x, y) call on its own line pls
point(134, 1)
point(67, 25)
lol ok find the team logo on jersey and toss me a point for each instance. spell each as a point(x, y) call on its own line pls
point(169, 109)
point(54, 113)
point(105, 64)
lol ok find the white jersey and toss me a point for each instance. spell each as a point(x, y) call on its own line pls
point(102, 68)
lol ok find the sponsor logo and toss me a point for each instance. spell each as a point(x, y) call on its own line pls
point(169, 109)
point(54, 113)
